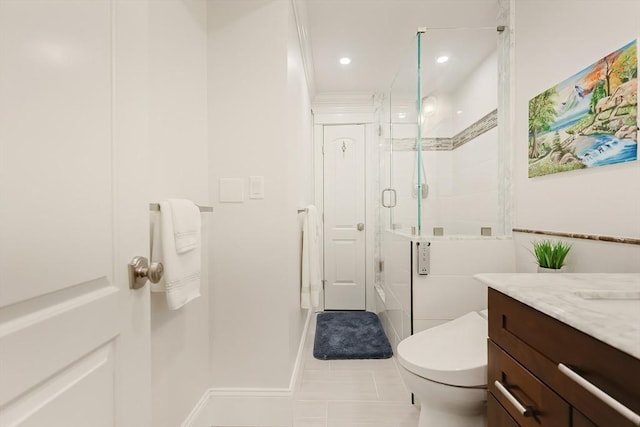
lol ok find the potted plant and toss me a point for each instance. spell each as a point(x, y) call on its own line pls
point(550, 256)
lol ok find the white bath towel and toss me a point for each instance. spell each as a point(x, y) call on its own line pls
point(181, 280)
point(186, 224)
point(311, 272)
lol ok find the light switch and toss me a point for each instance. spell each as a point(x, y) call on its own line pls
point(231, 190)
point(256, 187)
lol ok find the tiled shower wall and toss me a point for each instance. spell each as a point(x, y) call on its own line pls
point(407, 301)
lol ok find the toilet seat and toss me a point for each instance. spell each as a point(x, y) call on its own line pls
point(454, 353)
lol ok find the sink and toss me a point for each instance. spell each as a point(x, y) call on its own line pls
point(608, 294)
point(615, 302)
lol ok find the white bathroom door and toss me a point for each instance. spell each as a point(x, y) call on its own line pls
point(344, 215)
point(74, 339)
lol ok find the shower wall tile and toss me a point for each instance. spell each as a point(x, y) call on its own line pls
point(447, 297)
point(397, 286)
point(406, 324)
point(424, 324)
point(472, 256)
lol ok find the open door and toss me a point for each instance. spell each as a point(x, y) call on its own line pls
point(74, 339)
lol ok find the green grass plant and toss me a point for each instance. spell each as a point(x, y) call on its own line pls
point(550, 254)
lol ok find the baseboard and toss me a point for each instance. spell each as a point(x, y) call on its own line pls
point(255, 407)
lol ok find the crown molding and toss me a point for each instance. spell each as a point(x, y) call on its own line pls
point(299, 9)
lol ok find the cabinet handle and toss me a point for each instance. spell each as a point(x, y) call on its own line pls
point(524, 411)
point(604, 397)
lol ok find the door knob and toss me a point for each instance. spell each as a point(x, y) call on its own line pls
point(140, 271)
point(360, 226)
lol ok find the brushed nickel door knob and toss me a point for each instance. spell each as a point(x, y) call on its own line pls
point(140, 271)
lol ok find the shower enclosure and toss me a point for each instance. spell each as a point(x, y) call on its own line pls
point(441, 158)
point(444, 177)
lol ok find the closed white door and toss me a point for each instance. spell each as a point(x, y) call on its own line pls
point(74, 339)
point(344, 214)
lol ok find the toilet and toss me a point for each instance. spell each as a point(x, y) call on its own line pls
point(445, 367)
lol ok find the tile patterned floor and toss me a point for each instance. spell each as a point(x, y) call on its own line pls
point(351, 393)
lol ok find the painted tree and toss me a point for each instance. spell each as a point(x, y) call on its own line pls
point(542, 113)
point(608, 62)
point(598, 93)
point(626, 66)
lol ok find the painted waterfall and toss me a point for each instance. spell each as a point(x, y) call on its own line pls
point(589, 119)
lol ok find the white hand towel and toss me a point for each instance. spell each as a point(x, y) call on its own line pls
point(311, 272)
point(181, 280)
point(186, 224)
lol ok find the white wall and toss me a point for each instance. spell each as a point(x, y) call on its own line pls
point(601, 201)
point(178, 157)
point(259, 126)
point(299, 133)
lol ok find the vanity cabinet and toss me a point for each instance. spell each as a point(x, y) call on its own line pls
point(542, 372)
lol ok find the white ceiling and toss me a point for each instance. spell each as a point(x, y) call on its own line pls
point(379, 37)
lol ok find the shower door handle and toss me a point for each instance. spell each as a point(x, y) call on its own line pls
point(392, 201)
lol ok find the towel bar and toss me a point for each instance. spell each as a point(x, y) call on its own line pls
point(155, 207)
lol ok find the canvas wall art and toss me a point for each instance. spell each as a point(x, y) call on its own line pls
point(589, 119)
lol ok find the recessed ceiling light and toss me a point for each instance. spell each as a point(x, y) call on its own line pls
point(442, 59)
point(459, 112)
point(345, 61)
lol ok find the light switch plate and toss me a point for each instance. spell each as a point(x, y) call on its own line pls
point(256, 187)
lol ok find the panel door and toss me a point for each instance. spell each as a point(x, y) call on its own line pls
point(74, 340)
point(344, 213)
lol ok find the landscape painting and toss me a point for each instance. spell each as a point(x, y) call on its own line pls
point(589, 119)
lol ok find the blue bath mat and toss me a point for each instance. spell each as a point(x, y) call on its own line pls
point(350, 335)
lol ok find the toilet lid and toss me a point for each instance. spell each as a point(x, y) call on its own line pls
point(453, 353)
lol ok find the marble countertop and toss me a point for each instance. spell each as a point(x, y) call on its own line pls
point(605, 306)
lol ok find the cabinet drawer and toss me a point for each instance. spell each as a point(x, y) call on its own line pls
point(579, 420)
point(540, 343)
point(497, 416)
point(508, 380)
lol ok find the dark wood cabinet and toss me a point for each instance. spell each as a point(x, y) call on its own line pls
point(540, 369)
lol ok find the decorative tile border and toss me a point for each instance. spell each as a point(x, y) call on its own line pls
point(476, 129)
point(625, 240)
point(483, 125)
point(428, 144)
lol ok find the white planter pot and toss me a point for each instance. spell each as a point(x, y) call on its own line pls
point(552, 270)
